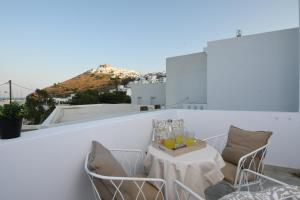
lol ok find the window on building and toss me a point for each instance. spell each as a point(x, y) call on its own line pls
point(140, 100)
point(152, 100)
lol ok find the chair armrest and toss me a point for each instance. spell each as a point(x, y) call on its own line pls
point(186, 191)
point(253, 154)
point(251, 158)
point(124, 178)
point(118, 181)
point(245, 173)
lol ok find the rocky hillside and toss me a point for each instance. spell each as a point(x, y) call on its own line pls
point(103, 77)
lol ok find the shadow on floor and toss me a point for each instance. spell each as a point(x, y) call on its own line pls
point(217, 191)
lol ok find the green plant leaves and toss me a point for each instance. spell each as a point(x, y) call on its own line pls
point(12, 111)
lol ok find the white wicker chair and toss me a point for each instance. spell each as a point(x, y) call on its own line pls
point(265, 181)
point(248, 161)
point(185, 193)
point(132, 162)
point(269, 188)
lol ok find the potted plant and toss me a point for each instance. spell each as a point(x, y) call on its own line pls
point(11, 117)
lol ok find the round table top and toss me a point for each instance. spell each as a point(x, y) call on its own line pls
point(205, 154)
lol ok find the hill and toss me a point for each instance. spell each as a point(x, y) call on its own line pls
point(104, 77)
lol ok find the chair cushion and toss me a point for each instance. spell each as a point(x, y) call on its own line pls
point(229, 171)
point(241, 142)
point(273, 193)
point(149, 189)
point(102, 162)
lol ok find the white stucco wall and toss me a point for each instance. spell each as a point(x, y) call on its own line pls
point(186, 79)
point(257, 72)
point(156, 91)
point(48, 163)
point(283, 145)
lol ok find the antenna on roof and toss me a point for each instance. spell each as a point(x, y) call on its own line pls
point(238, 33)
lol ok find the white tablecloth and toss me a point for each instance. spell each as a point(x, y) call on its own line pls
point(198, 169)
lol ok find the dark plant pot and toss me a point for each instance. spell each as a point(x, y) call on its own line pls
point(10, 128)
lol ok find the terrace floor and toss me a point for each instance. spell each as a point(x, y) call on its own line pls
point(221, 189)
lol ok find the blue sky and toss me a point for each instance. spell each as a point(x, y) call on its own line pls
point(43, 42)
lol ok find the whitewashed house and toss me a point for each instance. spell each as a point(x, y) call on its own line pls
point(257, 72)
point(148, 93)
point(186, 80)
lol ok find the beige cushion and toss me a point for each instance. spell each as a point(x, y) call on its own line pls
point(149, 189)
point(229, 172)
point(102, 162)
point(241, 142)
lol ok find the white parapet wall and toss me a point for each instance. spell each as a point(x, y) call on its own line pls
point(284, 143)
point(48, 163)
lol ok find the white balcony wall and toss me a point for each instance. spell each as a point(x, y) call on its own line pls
point(186, 80)
point(257, 72)
point(284, 143)
point(48, 164)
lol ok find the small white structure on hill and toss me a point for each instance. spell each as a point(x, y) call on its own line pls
point(63, 100)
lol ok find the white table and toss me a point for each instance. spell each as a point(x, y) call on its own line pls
point(198, 169)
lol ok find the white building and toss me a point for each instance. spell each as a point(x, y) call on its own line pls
point(258, 72)
point(148, 93)
point(255, 72)
point(63, 100)
point(186, 80)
